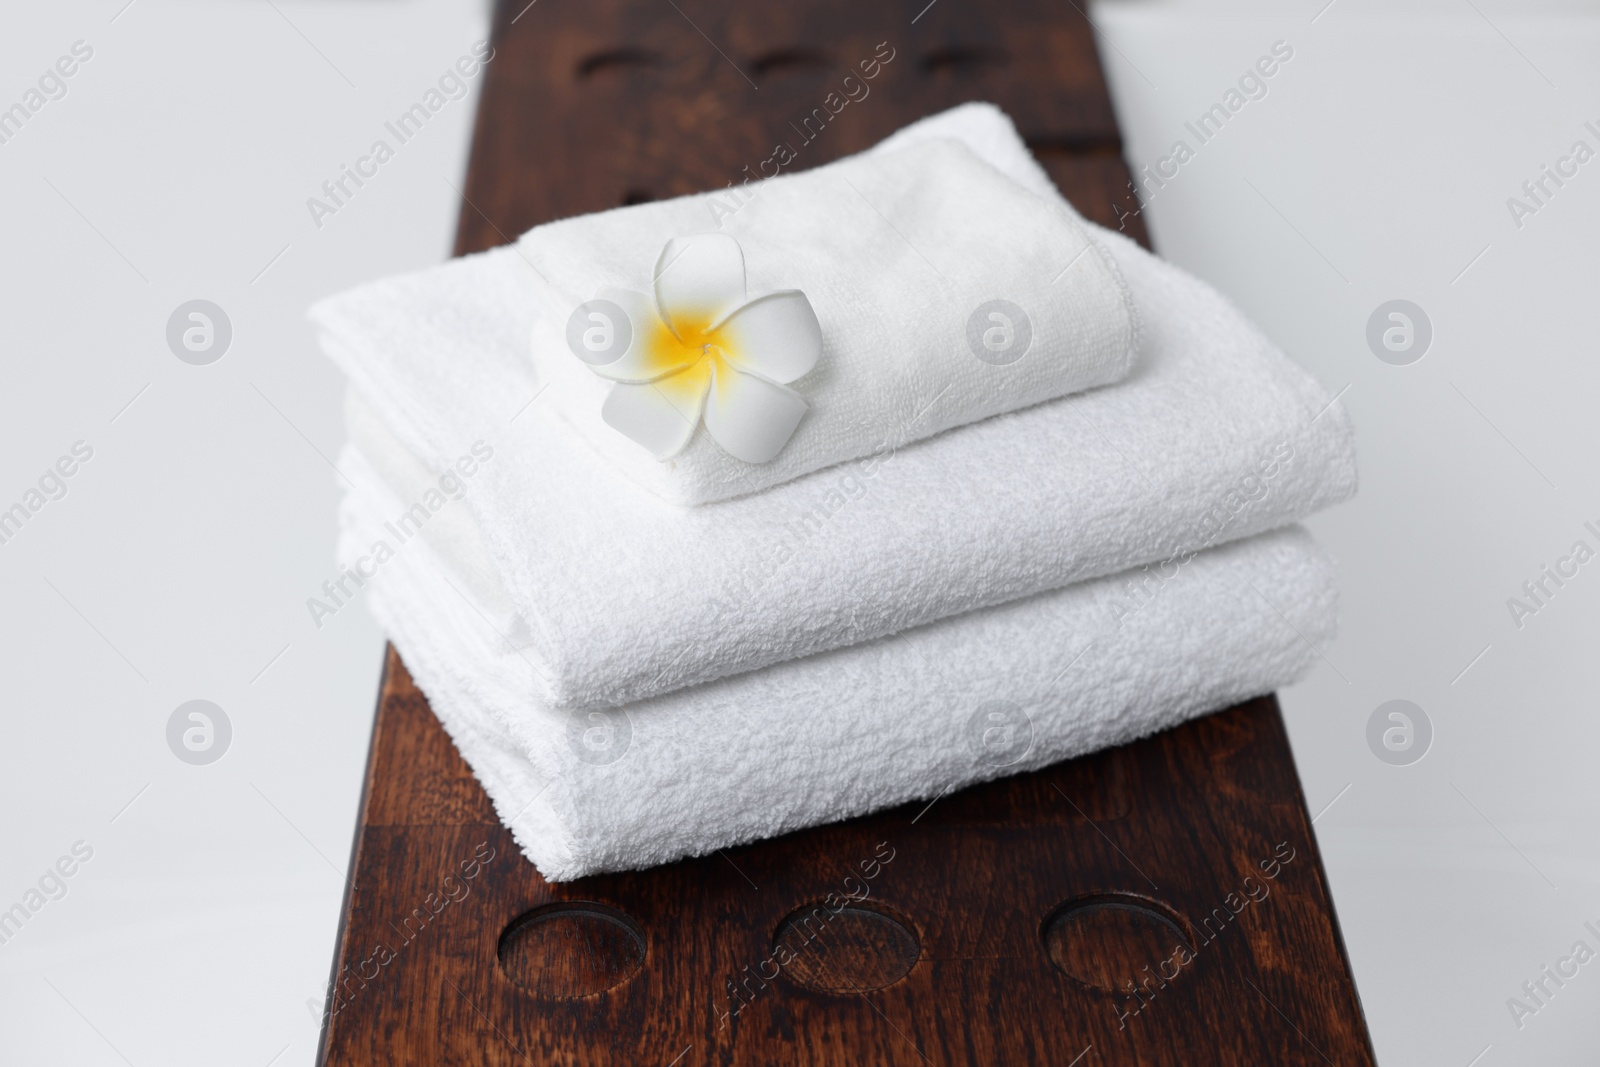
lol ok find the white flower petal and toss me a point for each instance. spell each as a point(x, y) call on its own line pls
point(751, 418)
point(698, 280)
point(660, 415)
point(622, 350)
point(776, 335)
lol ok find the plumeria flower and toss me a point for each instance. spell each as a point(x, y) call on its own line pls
point(699, 347)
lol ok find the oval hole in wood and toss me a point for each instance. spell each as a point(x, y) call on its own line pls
point(845, 950)
point(616, 61)
point(791, 61)
point(571, 949)
point(1108, 939)
point(959, 61)
point(637, 196)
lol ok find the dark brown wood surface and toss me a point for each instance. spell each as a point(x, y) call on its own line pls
point(1160, 903)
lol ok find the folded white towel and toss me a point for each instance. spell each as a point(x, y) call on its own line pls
point(946, 292)
point(814, 740)
point(615, 595)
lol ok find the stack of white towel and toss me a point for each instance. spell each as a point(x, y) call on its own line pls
point(956, 568)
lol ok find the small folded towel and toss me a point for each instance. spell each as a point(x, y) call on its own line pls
point(946, 291)
point(615, 595)
point(967, 699)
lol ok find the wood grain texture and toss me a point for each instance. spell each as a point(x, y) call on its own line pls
point(1164, 889)
point(590, 105)
point(1159, 903)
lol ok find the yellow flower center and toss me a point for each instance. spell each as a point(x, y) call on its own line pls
point(700, 349)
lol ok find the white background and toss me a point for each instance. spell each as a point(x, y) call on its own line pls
point(1384, 152)
point(177, 567)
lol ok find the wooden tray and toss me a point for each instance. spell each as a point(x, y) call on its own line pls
point(1158, 903)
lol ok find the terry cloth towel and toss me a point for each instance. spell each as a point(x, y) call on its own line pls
point(946, 292)
point(615, 595)
point(993, 692)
